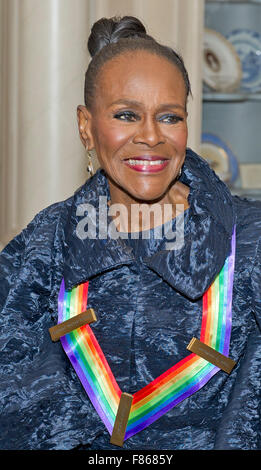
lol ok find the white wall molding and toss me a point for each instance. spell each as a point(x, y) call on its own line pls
point(44, 54)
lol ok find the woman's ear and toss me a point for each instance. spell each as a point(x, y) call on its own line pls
point(84, 125)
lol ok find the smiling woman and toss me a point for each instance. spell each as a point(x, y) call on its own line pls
point(138, 128)
point(137, 125)
point(149, 301)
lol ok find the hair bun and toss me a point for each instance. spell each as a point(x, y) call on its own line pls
point(110, 30)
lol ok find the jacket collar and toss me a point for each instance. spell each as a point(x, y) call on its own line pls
point(191, 269)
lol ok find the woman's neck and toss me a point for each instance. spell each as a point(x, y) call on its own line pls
point(131, 215)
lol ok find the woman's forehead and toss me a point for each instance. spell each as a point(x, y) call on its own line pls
point(138, 73)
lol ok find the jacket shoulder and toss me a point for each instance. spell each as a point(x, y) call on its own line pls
point(248, 216)
point(248, 230)
point(29, 256)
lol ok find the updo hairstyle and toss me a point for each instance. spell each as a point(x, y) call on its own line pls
point(113, 36)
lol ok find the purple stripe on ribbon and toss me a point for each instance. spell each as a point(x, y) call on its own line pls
point(61, 302)
point(231, 265)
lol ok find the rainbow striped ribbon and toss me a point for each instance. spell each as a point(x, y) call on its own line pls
point(166, 391)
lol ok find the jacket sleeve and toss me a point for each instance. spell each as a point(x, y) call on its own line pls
point(25, 286)
point(11, 260)
point(256, 285)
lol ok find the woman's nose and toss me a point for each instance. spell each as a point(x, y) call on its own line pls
point(148, 132)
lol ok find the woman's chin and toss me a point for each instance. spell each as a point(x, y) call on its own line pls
point(148, 192)
point(147, 197)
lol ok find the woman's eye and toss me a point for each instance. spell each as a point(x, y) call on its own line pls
point(170, 118)
point(126, 116)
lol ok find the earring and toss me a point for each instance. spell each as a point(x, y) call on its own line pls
point(180, 171)
point(90, 164)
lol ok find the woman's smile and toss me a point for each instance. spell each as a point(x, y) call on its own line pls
point(147, 164)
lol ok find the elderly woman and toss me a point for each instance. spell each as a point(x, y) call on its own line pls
point(187, 273)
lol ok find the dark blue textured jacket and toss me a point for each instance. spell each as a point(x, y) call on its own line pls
point(148, 301)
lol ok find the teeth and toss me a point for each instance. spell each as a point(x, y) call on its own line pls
point(145, 162)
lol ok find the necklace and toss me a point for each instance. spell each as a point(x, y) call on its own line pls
point(183, 379)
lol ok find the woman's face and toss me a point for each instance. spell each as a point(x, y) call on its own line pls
point(138, 125)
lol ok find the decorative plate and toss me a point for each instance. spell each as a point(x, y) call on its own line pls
point(220, 157)
point(221, 64)
point(248, 46)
